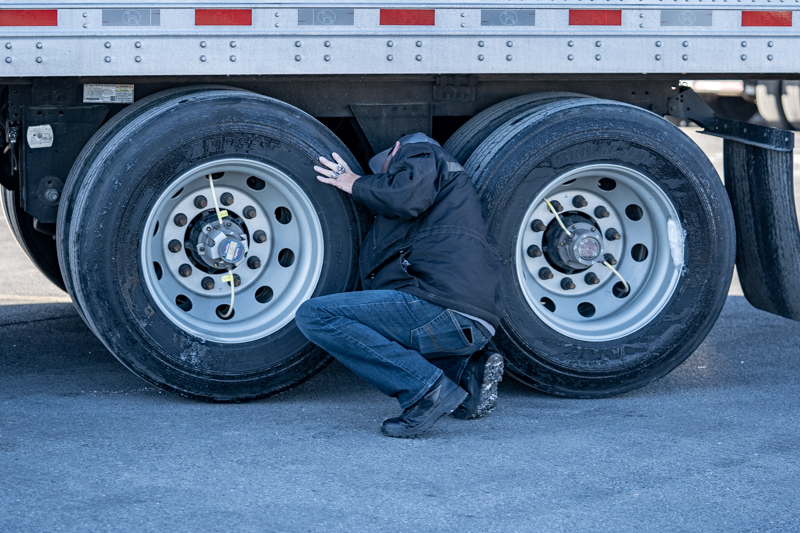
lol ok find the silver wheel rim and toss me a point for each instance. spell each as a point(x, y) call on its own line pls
point(652, 280)
point(268, 296)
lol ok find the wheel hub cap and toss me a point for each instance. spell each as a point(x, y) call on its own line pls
point(222, 245)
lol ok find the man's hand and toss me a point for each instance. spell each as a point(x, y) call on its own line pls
point(337, 174)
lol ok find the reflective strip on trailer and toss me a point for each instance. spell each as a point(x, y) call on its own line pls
point(223, 17)
point(766, 18)
point(408, 17)
point(28, 17)
point(595, 17)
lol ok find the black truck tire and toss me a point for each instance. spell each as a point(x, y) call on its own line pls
point(469, 136)
point(770, 107)
point(132, 242)
point(667, 221)
point(38, 246)
point(790, 102)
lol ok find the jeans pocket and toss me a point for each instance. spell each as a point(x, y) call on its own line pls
point(441, 335)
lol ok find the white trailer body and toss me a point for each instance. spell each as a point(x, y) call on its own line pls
point(118, 118)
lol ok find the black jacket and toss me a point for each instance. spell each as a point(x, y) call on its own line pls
point(429, 237)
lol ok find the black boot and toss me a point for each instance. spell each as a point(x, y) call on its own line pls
point(480, 379)
point(443, 396)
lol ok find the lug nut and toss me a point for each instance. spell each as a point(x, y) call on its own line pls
point(207, 283)
point(545, 273)
point(180, 219)
point(591, 278)
point(601, 212)
point(610, 259)
point(557, 206)
point(260, 236)
point(200, 202)
point(226, 198)
point(174, 246)
point(612, 234)
point(538, 225)
point(534, 251)
point(567, 284)
point(249, 212)
point(185, 270)
point(579, 201)
point(236, 280)
point(254, 262)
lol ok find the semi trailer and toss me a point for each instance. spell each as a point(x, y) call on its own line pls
point(157, 164)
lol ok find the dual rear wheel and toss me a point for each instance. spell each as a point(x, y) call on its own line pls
point(145, 256)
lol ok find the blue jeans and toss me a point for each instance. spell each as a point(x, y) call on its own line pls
point(394, 341)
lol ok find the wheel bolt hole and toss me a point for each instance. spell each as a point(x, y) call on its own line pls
point(612, 234)
point(639, 252)
point(254, 263)
point(222, 311)
point(255, 183)
point(619, 290)
point(249, 212)
point(174, 246)
point(538, 225)
point(283, 215)
point(601, 212)
point(264, 294)
point(557, 206)
point(200, 202)
point(286, 257)
point(545, 273)
point(157, 268)
point(585, 309)
point(185, 270)
point(548, 304)
point(607, 184)
point(634, 212)
point(567, 284)
point(183, 302)
point(260, 237)
point(610, 259)
point(226, 198)
point(207, 283)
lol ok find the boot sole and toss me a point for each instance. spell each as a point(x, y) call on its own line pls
point(487, 399)
point(449, 405)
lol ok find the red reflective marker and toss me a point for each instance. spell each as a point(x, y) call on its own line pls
point(223, 17)
point(28, 17)
point(766, 18)
point(408, 17)
point(595, 17)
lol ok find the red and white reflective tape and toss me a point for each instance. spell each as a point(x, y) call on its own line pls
point(389, 17)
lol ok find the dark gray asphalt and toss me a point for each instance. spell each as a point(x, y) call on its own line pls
point(87, 446)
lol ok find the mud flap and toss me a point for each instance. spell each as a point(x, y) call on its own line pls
point(760, 186)
point(759, 180)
